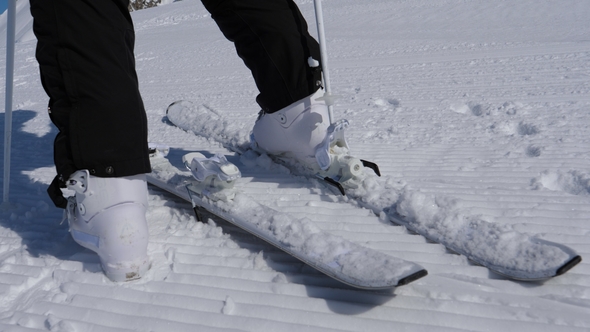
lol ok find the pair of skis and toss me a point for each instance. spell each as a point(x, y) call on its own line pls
point(484, 243)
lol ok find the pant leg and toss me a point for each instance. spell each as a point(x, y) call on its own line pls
point(272, 38)
point(87, 66)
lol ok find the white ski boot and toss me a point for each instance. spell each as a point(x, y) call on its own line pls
point(294, 131)
point(302, 131)
point(107, 216)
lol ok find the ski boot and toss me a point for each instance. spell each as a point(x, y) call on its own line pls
point(302, 131)
point(294, 131)
point(107, 216)
point(215, 176)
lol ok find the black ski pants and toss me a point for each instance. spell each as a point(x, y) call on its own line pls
point(272, 38)
point(87, 66)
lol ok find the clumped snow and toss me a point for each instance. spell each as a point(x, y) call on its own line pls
point(496, 243)
point(475, 111)
point(571, 182)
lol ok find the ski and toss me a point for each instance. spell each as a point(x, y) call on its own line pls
point(213, 184)
point(497, 247)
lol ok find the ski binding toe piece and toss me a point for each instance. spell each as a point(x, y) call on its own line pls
point(215, 176)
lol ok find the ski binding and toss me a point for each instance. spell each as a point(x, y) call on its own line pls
point(336, 165)
point(214, 176)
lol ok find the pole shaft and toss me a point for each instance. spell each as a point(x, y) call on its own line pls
point(324, 58)
point(10, 45)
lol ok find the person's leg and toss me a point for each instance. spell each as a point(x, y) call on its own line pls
point(85, 55)
point(272, 39)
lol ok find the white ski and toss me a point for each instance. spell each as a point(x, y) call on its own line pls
point(214, 184)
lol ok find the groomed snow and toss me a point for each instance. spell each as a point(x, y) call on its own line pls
point(479, 107)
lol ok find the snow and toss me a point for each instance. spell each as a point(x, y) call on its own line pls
point(481, 107)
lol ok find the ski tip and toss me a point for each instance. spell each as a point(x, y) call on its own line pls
point(569, 265)
point(171, 105)
point(181, 103)
point(412, 277)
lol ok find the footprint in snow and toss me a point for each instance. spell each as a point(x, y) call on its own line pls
point(533, 151)
point(527, 129)
point(478, 110)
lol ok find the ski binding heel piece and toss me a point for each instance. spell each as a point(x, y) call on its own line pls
point(333, 158)
point(334, 138)
point(215, 176)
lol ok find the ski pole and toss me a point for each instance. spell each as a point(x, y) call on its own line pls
point(328, 97)
point(10, 43)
